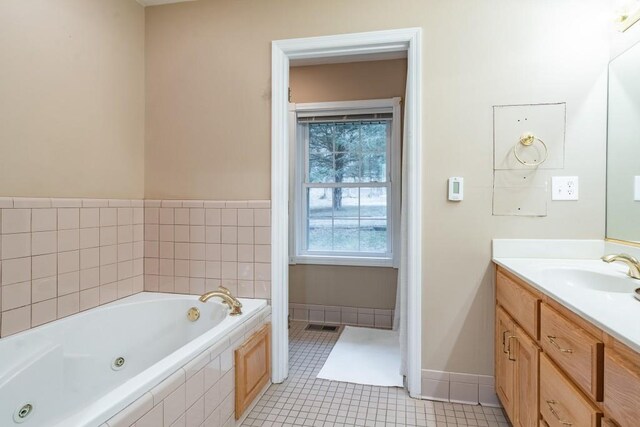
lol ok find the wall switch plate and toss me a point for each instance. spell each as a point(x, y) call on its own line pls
point(564, 188)
point(636, 188)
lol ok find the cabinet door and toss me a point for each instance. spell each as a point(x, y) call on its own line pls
point(622, 387)
point(527, 381)
point(253, 368)
point(505, 364)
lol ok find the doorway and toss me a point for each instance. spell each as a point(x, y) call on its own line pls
point(371, 45)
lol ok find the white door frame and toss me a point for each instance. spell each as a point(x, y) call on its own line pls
point(376, 42)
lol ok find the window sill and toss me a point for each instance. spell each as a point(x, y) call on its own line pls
point(342, 260)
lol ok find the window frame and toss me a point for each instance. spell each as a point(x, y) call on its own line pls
point(298, 188)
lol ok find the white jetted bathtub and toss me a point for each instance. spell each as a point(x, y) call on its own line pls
point(82, 370)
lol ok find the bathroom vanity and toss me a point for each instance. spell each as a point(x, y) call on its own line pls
point(567, 325)
point(567, 353)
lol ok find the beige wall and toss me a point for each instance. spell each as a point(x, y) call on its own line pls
point(72, 90)
point(339, 285)
point(208, 80)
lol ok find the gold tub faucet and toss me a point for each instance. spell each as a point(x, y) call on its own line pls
point(225, 295)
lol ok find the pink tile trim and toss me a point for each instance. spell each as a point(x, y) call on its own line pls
point(24, 202)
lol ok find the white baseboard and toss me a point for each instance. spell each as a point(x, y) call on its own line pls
point(459, 388)
point(335, 315)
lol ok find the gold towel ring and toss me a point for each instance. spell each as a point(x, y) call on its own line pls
point(527, 140)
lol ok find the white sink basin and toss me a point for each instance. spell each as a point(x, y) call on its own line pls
point(590, 280)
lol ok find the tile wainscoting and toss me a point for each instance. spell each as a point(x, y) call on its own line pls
point(336, 315)
point(62, 256)
point(195, 246)
point(459, 388)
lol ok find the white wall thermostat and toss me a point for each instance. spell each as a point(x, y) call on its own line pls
point(456, 188)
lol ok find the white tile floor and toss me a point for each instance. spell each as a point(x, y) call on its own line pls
point(303, 400)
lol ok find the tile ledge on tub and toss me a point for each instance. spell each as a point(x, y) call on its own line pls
point(31, 202)
point(168, 385)
point(133, 412)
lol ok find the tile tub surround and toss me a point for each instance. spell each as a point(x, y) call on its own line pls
point(62, 256)
point(201, 393)
point(336, 315)
point(194, 246)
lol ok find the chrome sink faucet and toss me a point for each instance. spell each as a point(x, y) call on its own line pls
point(225, 295)
point(632, 262)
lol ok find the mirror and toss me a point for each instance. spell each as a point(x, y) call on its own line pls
point(623, 147)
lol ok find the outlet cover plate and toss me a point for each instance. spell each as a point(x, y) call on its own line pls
point(564, 188)
point(636, 188)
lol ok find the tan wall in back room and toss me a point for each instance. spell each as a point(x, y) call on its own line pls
point(371, 287)
point(72, 98)
point(344, 286)
point(348, 81)
point(208, 124)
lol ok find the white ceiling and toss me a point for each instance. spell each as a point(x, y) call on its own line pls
point(158, 2)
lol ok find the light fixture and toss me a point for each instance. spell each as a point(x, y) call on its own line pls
point(627, 14)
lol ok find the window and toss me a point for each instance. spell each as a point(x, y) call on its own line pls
point(346, 175)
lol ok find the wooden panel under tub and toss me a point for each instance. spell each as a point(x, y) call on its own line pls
point(253, 368)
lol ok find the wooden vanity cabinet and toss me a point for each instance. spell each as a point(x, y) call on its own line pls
point(504, 367)
point(622, 386)
point(555, 369)
point(575, 350)
point(522, 305)
point(516, 371)
point(561, 402)
point(527, 380)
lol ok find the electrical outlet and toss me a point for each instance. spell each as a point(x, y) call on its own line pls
point(636, 188)
point(564, 188)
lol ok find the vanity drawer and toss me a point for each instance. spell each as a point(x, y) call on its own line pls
point(521, 304)
point(561, 403)
point(574, 350)
point(622, 388)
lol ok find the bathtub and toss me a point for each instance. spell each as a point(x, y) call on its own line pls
point(82, 370)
